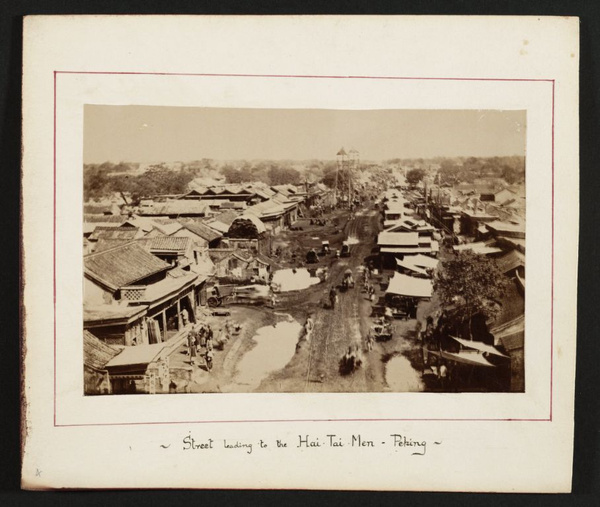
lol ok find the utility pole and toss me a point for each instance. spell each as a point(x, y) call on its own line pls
point(342, 160)
point(353, 164)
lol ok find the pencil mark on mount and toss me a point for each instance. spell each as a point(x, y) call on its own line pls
point(323, 269)
point(165, 446)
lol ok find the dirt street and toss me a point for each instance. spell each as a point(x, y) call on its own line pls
point(314, 365)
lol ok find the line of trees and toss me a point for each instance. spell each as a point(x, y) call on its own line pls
point(511, 169)
point(100, 181)
point(271, 174)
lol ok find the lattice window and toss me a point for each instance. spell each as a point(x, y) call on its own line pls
point(133, 293)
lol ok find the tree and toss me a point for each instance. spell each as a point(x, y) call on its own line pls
point(449, 172)
point(283, 175)
point(246, 173)
point(243, 228)
point(473, 284)
point(231, 174)
point(510, 174)
point(95, 183)
point(414, 176)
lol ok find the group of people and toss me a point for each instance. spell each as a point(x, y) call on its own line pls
point(440, 370)
point(368, 287)
point(351, 360)
point(442, 373)
point(200, 343)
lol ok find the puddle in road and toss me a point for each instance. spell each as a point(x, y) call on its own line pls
point(401, 376)
point(275, 346)
point(352, 240)
point(285, 280)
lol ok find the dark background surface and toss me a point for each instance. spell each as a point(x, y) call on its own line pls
point(586, 478)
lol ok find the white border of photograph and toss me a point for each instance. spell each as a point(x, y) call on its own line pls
point(76, 90)
point(472, 455)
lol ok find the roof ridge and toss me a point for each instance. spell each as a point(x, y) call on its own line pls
point(122, 245)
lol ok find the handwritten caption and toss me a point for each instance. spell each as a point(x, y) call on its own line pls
point(393, 441)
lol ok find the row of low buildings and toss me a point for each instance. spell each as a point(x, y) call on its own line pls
point(490, 221)
point(404, 235)
point(146, 273)
point(490, 224)
point(409, 246)
point(276, 206)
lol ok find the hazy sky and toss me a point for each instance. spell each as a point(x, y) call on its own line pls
point(156, 133)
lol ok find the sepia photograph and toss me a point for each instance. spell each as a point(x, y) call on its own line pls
point(235, 250)
point(243, 257)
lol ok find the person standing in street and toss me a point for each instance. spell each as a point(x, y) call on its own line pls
point(185, 317)
point(192, 347)
point(309, 326)
point(369, 342)
point(443, 373)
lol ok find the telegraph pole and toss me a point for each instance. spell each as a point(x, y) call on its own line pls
point(342, 159)
point(353, 164)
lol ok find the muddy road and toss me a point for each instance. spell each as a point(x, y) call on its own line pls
point(314, 366)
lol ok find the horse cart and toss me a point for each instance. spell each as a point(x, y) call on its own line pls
point(345, 249)
point(242, 294)
point(311, 256)
point(347, 280)
point(381, 331)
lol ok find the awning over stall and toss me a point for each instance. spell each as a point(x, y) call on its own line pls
point(422, 261)
point(480, 248)
point(412, 267)
point(404, 285)
point(472, 358)
point(482, 347)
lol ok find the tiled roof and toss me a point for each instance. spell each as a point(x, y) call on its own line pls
point(106, 244)
point(107, 232)
point(169, 229)
point(218, 254)
point(138, 355)
point(243, 255)
point(284, 201)
point(233, 205)
point(266, 209)
point(144, 223)
point(170, 243)
point(511, 334)
point(501, 227)
point(122, 265)
point(220, 226)
point(267, 260)
point(227, 217)
point(94, 313)
point(95, 352)
point(178, 207)
point(202, 230)
point(263, 191)
point(168, 286)
point(510, 261)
